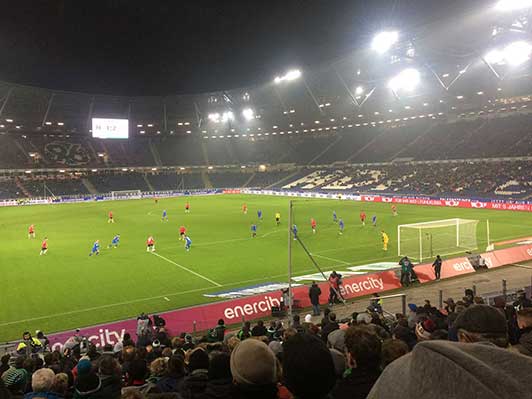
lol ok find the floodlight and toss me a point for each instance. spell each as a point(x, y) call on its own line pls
point(514, 54)
point(407, 80)
point(384, 41)
point(495, 57)
point(511, 5)
point(359, 90)
point(517, 53)
point(290, 75)
point(214, 117)
point(248, 114)
point(228, 116)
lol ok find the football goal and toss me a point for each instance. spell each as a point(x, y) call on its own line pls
point(126, 194)
point(425, 240)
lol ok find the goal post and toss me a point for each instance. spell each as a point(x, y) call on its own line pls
point(425, 240)
point(126, 194)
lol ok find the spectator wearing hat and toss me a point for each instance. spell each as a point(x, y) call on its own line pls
point(255, 370)
point(42, 382)
point(259, 330)
point(412, 316)
point(220, 384)
point(330, 326)
point(424, 330)
point(88, 384)
point(524, 321)
point(363, 352)
point(308, 367)
point(444, 369)
point(482, 323)
point(195, 382)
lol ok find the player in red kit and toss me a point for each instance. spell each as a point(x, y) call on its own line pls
point(313, 225)
point(182, 233)
point(187, 207)
point(244, 209)
point(363, 218)
point(110, 220)
point(44, 246)
point(150, 244)
point(394, 210)
point(31, 231)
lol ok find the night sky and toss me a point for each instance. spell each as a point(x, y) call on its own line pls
point(158, 47)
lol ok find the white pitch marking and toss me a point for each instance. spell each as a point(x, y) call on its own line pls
point(333, 259)
point(187, 269)
point(166, 299)
point(142, 300)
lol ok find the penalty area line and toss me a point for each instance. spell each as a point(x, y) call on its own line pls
point(187, 269)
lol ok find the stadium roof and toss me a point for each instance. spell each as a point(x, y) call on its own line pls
point(449, 55)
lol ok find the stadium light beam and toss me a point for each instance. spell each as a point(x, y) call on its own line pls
point(512, 5)
point(407, 80)
point(383, 41)
point(248, 114)
point(359, 90)
point(514, 54)
point(289, 76)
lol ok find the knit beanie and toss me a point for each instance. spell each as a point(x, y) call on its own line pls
point(444, 369)
point(253, 363)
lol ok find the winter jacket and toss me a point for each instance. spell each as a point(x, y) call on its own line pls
point(195, 384)
point(525, 342)
point(356, 384)
point(218, 389)
point(43, 395)
point(314, 293)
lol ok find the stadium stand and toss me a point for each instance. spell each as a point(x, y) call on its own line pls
point(315, 355)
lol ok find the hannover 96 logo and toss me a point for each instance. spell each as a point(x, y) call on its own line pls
point(69, 154)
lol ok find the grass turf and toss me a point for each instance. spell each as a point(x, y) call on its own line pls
point(66, 288)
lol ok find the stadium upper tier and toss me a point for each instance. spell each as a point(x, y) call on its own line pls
point(485, 136)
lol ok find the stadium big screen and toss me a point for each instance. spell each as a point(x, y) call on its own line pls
point(105, 128)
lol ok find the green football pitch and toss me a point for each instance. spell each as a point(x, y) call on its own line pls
point(66, 288)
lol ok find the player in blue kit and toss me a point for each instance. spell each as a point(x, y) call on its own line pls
point(165, 216)
point(341, 227)
point(335, 218)
point(253, 230)
point(374, 220)
point(188, 243)
point(95, 248)
point(294, 231)
point(259, 214)
point(115, 242)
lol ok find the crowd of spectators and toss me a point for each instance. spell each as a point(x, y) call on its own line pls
point(467, 349)
point(502, 179)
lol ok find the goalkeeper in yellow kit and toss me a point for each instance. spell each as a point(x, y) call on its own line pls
point(385, 240)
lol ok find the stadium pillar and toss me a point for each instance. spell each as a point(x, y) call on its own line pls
point(440, 298)
point(290, 262)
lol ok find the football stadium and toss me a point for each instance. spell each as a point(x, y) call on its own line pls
point(358, 226)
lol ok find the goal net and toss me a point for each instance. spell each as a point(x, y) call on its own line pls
point(126, 194)
point(440, 237)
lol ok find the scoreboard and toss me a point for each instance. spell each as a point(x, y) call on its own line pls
point(104, 128)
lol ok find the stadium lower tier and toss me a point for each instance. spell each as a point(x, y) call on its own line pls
point(503, 179)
